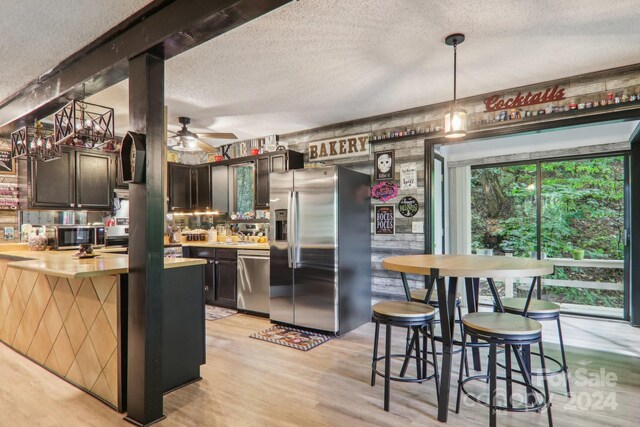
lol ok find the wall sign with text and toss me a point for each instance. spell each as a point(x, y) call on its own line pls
point(494, 103)
point(384, 191)
point(385, 219)
point(408, 206)
point(408, 176)
point(339, 148)
point(384, 165)
point(7, 164)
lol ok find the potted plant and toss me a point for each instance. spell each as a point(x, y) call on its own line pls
point(577, 254)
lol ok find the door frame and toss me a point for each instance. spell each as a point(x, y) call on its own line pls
point(631, 307)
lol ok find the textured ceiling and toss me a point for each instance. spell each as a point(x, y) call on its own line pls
point(316, 62)
point(35, 36)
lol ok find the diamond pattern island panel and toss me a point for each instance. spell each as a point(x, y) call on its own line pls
point(68, 326)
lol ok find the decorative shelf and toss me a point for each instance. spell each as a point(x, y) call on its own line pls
point(244, 221)
point(423, 135)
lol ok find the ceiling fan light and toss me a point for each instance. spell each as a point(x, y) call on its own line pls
point(455, 122)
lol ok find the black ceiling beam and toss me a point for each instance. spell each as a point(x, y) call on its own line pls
point(163, 28)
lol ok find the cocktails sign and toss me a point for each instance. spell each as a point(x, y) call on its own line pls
point(551, 94)
point(338, 148)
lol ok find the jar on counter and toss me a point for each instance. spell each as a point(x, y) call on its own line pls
point(37, 240)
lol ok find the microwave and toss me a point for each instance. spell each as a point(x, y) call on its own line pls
point(72, 236)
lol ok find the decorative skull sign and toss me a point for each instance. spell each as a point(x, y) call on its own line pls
point(384, 168)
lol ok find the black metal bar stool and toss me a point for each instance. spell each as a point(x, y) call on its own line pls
point(511, 331)
point(541, 310)
point(404, 314)
point(425, 296)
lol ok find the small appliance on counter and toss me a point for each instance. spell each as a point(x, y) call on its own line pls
point(173, 251)
point(61, 237)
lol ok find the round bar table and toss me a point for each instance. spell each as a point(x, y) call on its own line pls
point(472, 268)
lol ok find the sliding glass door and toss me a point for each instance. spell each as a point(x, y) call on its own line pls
point(583, 232)
point(570, 211)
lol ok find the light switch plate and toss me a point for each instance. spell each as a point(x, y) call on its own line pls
point(417, 227)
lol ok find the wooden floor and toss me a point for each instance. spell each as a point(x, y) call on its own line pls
point(247, 382)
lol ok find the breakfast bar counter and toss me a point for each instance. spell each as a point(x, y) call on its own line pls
point(64, 264)
point(70, 316)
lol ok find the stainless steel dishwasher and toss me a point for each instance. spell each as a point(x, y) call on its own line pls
point(253, 281)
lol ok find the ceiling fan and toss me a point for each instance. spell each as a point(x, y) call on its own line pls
point(185, 140)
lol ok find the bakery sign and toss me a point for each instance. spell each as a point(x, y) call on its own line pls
point(551, 94)
point(338, 148)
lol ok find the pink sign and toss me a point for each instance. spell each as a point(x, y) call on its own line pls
point(385, 190)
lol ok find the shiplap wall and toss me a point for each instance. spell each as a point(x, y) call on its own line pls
point(403, 242)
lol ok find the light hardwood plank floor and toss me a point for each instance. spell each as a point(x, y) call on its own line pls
point(247, 382)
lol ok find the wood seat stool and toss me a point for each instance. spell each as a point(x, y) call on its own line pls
point(511, 331)
point(406, 314)
point(541, 310)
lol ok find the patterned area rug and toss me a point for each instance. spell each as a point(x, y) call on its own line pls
point(292, 337)
point(212, 312)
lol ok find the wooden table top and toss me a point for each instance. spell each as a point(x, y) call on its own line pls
point(468, 265)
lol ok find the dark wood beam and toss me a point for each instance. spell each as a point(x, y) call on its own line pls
point(634, 227)
point(146, 245)
point(165, 28)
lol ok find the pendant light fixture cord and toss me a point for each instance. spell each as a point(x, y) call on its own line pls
point(455, 60)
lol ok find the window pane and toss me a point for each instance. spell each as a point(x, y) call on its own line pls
point(503, 215)
point(582, 230)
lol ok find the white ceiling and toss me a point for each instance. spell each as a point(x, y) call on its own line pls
point(35, 36)
point(316, 62)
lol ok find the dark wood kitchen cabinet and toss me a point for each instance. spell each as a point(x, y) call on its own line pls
point(220, 275)
point(179, 187)
point(201, 187)
point(273, 162)
point(80, 179)
point(51, 184)
point(94, 177)
point(189, 187)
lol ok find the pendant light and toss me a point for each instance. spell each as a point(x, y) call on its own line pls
point(455, 120)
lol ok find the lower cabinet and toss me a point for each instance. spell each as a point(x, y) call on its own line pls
point(226, 275)
point(220, 274)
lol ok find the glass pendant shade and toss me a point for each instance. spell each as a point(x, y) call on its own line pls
point(455, 122)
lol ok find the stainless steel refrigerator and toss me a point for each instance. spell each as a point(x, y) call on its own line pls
point(320, 251)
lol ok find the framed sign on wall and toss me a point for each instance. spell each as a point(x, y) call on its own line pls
point(385, 219)
point(384, 165)
point(7, 164)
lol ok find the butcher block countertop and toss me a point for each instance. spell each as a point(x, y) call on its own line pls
point(64, 264)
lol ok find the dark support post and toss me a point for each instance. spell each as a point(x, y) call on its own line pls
point(146, 248)
point(634, 227)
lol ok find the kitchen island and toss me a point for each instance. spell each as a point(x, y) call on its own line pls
point(69, 315)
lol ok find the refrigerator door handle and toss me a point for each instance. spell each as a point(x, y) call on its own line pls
point(296, 216)
point(290, 228)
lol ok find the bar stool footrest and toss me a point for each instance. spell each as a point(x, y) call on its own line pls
point(540, 401)
point(561, 369)
point(403, 379)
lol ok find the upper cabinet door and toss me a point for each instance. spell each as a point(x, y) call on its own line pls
point(201, 187)
point(278, 162)
point(51, 184)
point(262, 182)
point(94, 180)
point(179, 187)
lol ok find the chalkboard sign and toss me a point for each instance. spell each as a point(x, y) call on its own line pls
point(408, 206)
point(7, 165)
point(385, 219)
